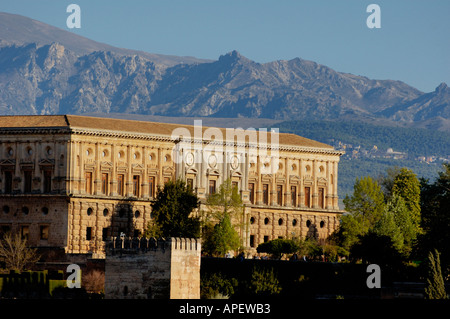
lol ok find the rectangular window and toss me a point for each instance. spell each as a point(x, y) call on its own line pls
point(252, 240)
point(105, 232)
point(308, 196)
point(44, 232)
point(212, 187)
point(136, 185)
point(280, 195)
point(166, 180)
point(27, 182)
point(293, 196)
point(24, 232)
point(251, 188)
point(321, 197)
point(266, 194)
point(190, 183)
point(266, 239)
point(88, 233)
point(105, 183)
point(8, 182)
point(120, 184)
point(151, 185)
point(88, 179)
point(47, 181)
point(4, 229)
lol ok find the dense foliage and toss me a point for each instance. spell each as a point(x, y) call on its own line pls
point(278, 247)
point(220, 220)
point(435, 204)
point(434, 285)
point(386, 218)
point(172, 211)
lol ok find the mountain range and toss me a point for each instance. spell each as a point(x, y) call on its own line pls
point(46, 70)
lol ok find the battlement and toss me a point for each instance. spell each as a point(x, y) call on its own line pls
point(185, 243)
point(134, 245)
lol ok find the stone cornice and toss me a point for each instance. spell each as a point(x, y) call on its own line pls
point(165, 138)
point(35, 130)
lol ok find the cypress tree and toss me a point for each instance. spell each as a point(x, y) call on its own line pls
point(434, 287)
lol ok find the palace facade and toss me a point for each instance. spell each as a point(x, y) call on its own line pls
point(73, 181)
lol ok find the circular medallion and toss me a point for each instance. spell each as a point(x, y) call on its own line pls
point(190, 159)
point(212, 161)
point(234, 162)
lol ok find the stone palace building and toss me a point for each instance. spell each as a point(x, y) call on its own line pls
point(71, 181)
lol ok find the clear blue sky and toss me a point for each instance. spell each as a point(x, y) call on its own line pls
point(412, 45)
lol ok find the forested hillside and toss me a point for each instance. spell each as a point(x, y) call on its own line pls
point(414, 143)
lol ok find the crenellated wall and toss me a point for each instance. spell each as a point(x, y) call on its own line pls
point(152, 269)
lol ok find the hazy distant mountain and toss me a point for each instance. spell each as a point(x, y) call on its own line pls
point(235, 86)
point(425, 107)
point(46, 70)
point(17, 29)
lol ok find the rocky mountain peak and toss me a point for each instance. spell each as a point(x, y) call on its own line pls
point(233, 57)
point(441, 88)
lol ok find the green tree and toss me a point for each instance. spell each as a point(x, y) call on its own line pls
point(407, 185)
point(172, 212)
point(264, 282)
point(310, 247)
point(365, 207)
point(368, 212)
point(434, 287)
point(376, 249)
point(435, 203)
point(219, 232)
point(387, 226)
point(396, 223)
point(220, 238)
point(217, 285)
point(404, 222)
point(348, 233)
point(226, 201)
point(386, 180)
point(366, 204)
point(278, 247)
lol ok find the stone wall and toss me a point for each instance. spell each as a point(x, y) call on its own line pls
point(42, 220)
point(152, 269)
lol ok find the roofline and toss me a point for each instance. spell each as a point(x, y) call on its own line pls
point(69, 129)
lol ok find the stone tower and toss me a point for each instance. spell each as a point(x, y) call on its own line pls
point(153, 269)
